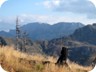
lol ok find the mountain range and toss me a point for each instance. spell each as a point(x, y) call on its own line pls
point(44, 31)
point(85, 34)
point(81, 43)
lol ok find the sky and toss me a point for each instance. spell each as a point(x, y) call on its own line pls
point(46, 11)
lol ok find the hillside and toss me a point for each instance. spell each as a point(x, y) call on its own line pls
point(15, 61)
point(44, 31)
point(81, 45)
point(85, 34)
point(30, 47)
point(79, 50)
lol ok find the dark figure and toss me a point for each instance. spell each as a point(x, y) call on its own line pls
point(63, 57)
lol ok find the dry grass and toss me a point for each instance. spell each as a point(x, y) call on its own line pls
point(15, 61)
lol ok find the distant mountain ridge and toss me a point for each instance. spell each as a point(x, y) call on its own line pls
point(85, 34)
point(81, 45)
point(44, 31)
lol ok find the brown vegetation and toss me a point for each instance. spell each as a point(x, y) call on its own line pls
point(14, 61)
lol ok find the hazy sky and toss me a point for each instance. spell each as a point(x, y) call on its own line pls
point(49, 11)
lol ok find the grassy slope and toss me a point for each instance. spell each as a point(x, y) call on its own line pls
point(14, 61)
